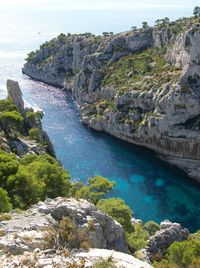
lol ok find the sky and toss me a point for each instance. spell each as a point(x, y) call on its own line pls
point(97, 4)
point(93, 16)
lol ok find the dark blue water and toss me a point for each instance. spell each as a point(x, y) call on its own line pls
point(152, 188)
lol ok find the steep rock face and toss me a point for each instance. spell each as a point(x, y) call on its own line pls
point(157, 107)
point(28, 231)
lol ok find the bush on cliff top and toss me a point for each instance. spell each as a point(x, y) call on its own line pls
point(7, 105)
point(11, 120)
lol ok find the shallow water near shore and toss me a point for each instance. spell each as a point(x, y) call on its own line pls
point(151, 187)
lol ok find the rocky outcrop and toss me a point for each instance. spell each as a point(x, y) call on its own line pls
point(28, 231)
point(160, 242)
point(23, 144)
point(33, 237)
point(159, 109)
point(26, 238)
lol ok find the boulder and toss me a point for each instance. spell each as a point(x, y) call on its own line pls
point(161, 241)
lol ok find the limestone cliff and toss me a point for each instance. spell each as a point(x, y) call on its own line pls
point(141, 86)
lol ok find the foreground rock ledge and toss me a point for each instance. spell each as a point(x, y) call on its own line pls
point(27, 231)
point(51, 260)
point(22, 240)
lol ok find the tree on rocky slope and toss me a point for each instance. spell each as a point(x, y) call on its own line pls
point(96, 188)
point(11, 120)
point(118, 210)
point(196, 12)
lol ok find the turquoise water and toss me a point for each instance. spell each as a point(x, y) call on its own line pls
point(152, 188)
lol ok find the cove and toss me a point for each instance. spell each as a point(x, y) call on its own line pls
point(152, 188)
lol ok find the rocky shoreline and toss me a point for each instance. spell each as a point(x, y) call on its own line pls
point(157, 105)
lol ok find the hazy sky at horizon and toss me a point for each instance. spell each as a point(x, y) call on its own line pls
point(96, 16)
point(97, 4)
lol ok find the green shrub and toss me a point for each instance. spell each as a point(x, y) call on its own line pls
point(118, 210)
point(195, 263)
point(34, 134)
point(7, 105)
point(151, 227)
point(32, 119)
point(8, 166)
point(5, 216)
point(71, 236)
point(11, 120)
point(5, 204)
point(31, 179)
point(139, 71)
point(164, 264)
point(195, 236)
point(138, 238)
point(37, 177)
point(183, 254)
point(96, 188)
point(109, 263)
point(31, 56)
point(68, 235)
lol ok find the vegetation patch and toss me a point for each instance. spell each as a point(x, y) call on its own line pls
point(5, 217)
point(68, 235)
point(102, 263)
point(179, 26)
point(140, 71)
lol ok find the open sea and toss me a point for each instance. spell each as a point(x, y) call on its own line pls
point(152, 188)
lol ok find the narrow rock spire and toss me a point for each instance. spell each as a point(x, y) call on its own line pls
point(14, 92)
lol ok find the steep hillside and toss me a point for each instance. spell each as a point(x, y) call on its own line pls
point(141, 86)
point(20, 127)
